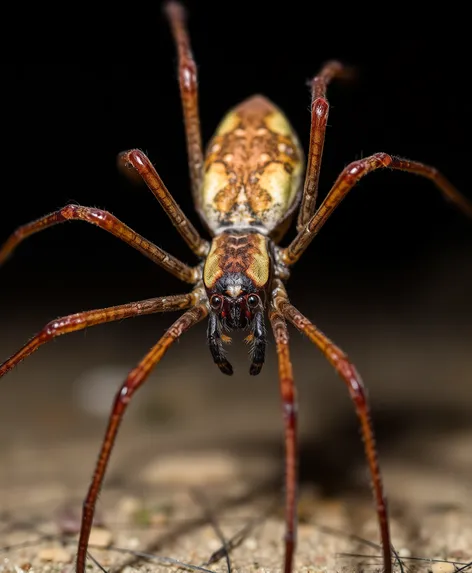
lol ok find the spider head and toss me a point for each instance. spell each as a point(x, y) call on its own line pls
point(236, 276)
point(235, 303)
point(235, 300)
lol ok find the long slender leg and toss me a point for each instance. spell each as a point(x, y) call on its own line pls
point(319, 118)
point(289, 406)
point(137, 159)
point(346, 181)
point(82, 320)
point(349, 375)
point(109, 223)
point(134, 380)
point(188, 83)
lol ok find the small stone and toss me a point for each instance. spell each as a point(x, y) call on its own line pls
point(133, 543)
point(128, 506)
point(55, 555)
point(214, 544)
point(443, 567)
point(305, 531)
point(100, 537)
point(250, 544)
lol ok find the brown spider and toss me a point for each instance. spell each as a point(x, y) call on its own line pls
point(246, 190)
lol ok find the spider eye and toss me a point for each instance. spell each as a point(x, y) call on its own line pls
point(216, 302)
point(253, 300)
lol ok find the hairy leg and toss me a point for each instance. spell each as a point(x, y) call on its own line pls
point(319, 119)
point(135, 380)
point(107, 222)
point(353, 381)
point(348, 179)
point(140, 162)
point(82, 320)
point(289, 409)
point(188, 83)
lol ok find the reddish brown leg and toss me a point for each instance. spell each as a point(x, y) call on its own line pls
point(349, 375)
point(319, 118)
point(348, 179)
point(137, 159)
point(134, 380)
point(82, 320)
point(188, 83)
point(109, 223)
point(289, 406)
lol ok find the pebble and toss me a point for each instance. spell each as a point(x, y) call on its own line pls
point(250, 543)
point(100, 537)
point(129, 505)
point(443, 567)
point(55, 555)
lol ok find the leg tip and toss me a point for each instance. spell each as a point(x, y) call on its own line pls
point(226, 368)
point(255, 369)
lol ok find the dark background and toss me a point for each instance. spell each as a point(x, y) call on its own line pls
point(89, 85)
point(393, 262)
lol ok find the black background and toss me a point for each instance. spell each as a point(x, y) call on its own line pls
point(83, 85)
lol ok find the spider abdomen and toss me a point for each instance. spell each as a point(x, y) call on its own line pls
point(253, 169)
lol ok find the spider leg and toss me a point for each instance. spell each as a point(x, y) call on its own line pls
point(319, 118)
point(140, 162)
point(289, 408)
point(188, 83)
point(82, 320)
point(348, 179)
point(109, 223)
point(351, 378)
point(134, 380)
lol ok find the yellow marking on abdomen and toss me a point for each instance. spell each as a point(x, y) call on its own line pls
point(229, 123)
point(278, 123)
point(252, 170)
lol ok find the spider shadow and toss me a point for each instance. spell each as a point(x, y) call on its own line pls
point(329, 459)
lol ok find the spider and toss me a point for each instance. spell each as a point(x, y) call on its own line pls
point(247, 189)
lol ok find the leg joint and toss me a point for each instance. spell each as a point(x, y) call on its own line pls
point(70, 211)
point(320, 108)
point(383, 158)
point(54, 328)
point(188, 76)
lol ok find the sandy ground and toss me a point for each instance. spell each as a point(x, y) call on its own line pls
point(201, 453)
